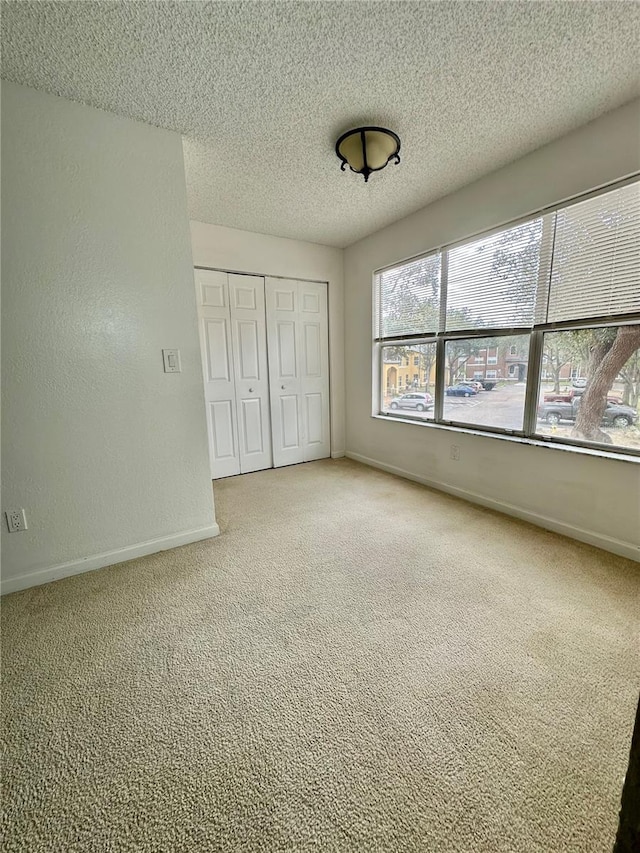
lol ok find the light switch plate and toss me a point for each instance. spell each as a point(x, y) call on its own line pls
point(171, 360)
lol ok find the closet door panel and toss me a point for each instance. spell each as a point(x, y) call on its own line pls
point(246, 294)
point(297, 332)
point(314, 368)
point(252, 432)
point(313, 413)
point(284, 379)
point(218, 364)
point(223, 432)
point(286, 351)
point(248, 366)
point(214, 324)
point(289, 421)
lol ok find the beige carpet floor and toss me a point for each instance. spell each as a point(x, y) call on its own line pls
point(357, 664)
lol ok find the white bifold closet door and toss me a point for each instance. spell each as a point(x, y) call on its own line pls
point(231, 315)
point(297, 335)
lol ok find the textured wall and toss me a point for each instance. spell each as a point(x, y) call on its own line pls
point(243, 251)
point(581, 495)
point(102, 448)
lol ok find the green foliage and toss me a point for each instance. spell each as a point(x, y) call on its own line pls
point(410, 297)
point(630, 377)
point(516, 262)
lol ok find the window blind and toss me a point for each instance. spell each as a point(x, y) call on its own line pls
point(492, 282)
point(408, 298)
point(596, 257)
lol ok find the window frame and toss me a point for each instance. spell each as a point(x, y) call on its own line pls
point(535, 334)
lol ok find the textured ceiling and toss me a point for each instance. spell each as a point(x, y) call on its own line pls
point(262, 90)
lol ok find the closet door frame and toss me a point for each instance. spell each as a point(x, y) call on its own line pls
point(307, 388)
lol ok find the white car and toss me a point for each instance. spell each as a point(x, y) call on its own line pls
point(415, 400)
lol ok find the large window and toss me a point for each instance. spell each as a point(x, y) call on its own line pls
point(551, 303)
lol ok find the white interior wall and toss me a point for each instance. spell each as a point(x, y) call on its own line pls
point(218, 247)
point(592, 498)
point(106, 452)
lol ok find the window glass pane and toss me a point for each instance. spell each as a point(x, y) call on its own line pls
point(596, 257)
point(492, 282)
point(484, 396)
point(409, 388)
point(590, 385)
point(409, 298)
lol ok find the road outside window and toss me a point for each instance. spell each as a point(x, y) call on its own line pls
point(486, 401)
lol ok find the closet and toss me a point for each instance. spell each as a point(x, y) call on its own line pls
point(265, 362)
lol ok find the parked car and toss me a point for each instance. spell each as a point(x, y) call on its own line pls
point(575, 393)
point(612, 398)
point(415, 400)
point(488, 384)
point(579, 383)
point(614, 415)
point(473, 383)
point(460, 390)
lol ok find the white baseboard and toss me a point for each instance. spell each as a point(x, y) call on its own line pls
point(607, 543)
point(337, 454)
point(110, 558)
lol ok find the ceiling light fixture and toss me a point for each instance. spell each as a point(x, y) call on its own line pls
point(367, 149)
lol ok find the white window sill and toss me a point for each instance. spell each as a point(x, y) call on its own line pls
point(518, 439)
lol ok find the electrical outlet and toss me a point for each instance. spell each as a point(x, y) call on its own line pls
point(16, 520)
point(455, 452)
